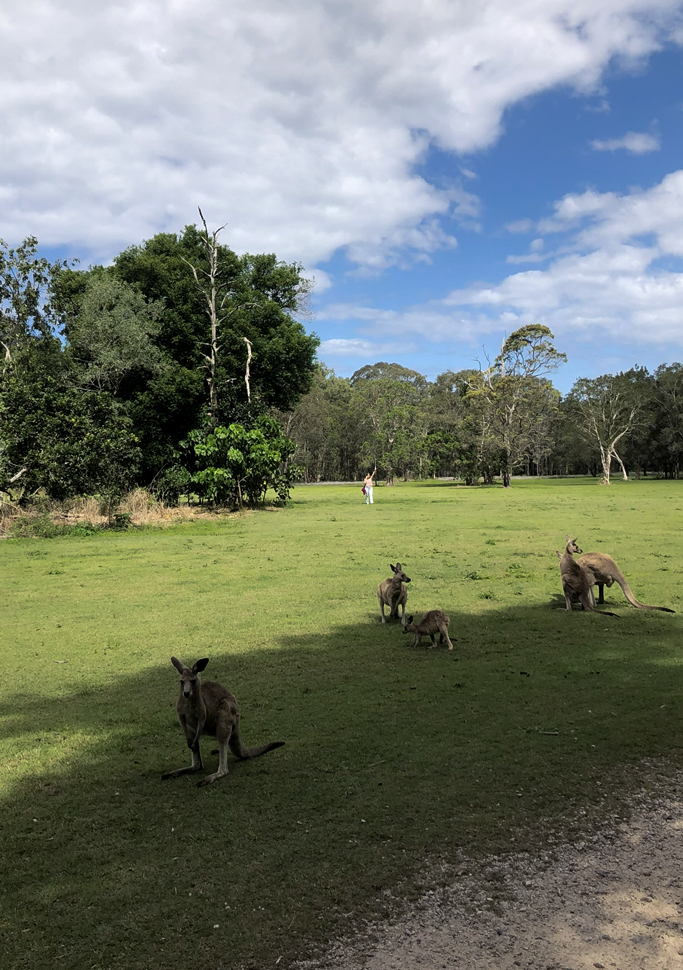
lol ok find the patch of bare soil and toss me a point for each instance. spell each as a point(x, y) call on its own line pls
point(613, 900)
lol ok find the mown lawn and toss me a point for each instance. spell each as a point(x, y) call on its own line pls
point(396, 761)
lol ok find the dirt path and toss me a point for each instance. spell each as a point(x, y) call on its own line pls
point(612, 901)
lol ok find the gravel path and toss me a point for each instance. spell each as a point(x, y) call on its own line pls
point(614, 900)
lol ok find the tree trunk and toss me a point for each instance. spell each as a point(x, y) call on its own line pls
point(623, 470)
point(606, 458)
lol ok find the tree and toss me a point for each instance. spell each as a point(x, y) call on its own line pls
point(67, 441)
point(460, 438)
point(312, 428)
point(112, 336)
point(230, 463)
point(219, 305)
point(160, 369)
point(253, 299)
point(607, 409)
point(667, 418)
point(25, 309)
point(516, 394)
point(387, 404)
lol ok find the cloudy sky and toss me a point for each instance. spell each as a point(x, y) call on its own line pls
point(446, 170)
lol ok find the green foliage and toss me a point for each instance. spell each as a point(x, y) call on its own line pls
point(138, 333)
point(68, 441)
point(259, 293)
point(111, 337)
point(171, 483)
point(666, 415)
point(231, 463)
point(387, 406)
point(25, 309)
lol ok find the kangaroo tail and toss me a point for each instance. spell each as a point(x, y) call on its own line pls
point(240, 751)
point(628, 593)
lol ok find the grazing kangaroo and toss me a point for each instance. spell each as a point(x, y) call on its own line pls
point(433, 622)
point(602, 571)
point(393, 593)
point(209, 708)
point(575, 583)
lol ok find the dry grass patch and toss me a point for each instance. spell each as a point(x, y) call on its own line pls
point(8, 516)
point(140, 506)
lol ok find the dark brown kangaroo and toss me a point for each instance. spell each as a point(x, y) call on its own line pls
point(602, 571)
point(575, 583)
point(392, 593)
point(209, 708)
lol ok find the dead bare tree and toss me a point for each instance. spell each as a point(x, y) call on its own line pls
point(218, 295)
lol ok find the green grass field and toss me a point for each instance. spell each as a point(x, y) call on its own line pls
point(397, 761)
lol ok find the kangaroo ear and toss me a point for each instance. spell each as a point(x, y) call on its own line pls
point(200, 665)
point(398, 567)
point(409, 620)
point(178, 664)
point(392, 568)
point(567, 538)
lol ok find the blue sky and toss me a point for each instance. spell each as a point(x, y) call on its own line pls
point(445, 171)
point(544, 154)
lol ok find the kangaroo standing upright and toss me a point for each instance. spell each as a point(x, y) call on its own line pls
point(575, 583)
point(392, 593)
point(209, 708)
point(602, 571)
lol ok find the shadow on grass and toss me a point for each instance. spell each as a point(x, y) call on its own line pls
point(396, 761)
point(578, 481)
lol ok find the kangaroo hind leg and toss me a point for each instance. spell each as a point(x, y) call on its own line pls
point(194, 767)
point(223, 743)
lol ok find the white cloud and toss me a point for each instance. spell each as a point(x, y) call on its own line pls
point(434, 322)
point(364, 349)
point(300, 124)
point(321, 280)
point(616, 281)
point(616, 271)
point(520, 226)
point(635, 142)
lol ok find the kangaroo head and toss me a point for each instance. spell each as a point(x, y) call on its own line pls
point(398, 573)
point(572, 547)
point(406, 623)
point(189, 676)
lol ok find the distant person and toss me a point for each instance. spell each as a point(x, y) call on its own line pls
point(368, 485)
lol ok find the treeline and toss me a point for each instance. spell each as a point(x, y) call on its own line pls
point(502, 420)
point(163, 370)
point(181, 368)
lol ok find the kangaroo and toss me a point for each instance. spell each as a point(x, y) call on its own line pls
point(433, 622)
point(209, 708)
point(575, 583)
point(393, 593)
point(602, 571)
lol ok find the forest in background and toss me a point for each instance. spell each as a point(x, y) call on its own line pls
point(185, 369)
point(478, 425)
